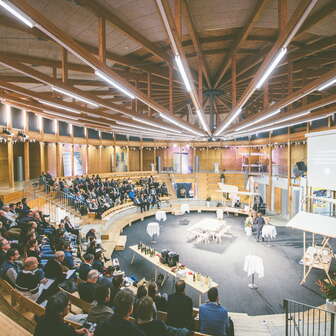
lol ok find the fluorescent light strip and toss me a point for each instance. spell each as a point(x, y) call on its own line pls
point(228, 123)
point(328, 84)
point(17, 13)
point(139, 127)
point(60, 106)
point(180, 125)
point(155, 125)
point(61, 115)
point(200, 117)
point(75, 96)
point(182, 72)
point(271, 67)
point(113, 83)
point(258, 120)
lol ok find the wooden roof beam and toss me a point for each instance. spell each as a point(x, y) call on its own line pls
point(241, 38)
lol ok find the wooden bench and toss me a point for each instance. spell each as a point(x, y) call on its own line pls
point(77, 301)
point(10, 327)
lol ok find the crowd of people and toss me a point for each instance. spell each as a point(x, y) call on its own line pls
point(96, 194)
point(38, 259)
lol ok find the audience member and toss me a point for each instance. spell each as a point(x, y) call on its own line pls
point(119, 323)
point(87, 289)
point(86, 266)
point(180, 308)
point(11, 267)
point(54, 269)
point(214, 319)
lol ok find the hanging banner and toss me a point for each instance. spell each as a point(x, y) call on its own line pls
point(67, 164)
point(78, 169)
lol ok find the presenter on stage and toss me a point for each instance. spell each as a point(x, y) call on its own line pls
point(259, 222)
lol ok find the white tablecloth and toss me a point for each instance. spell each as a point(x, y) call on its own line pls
point(161, 215)
point(254, 265)
point(208, 225)
point(220, 213)
point(185, 208)
point(269, 232)
point(153, 229)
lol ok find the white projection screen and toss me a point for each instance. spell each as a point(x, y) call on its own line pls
point(321, 159)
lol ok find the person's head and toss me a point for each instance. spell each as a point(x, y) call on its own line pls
point(145, 309)
point(30, 264)
point(59, 256)
point(31, 244)
point(152, 289)
point(123, 303)
point(92, 276)
point(141, 292)
point(88, 258)
point(24, 200)
point(12, 254)
point(259, 214)
point(4, 245)
point(117, 281)
point(57, 306)
point(180, 286)
point(98, 255)
point(102, 295)
point(213, 294)
point(66, 246)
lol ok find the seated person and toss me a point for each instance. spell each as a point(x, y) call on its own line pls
point(180, 308)
point(153, 327)
point(101, 311)
point(54, 269)
point(52, 323)
point(87, 289)
point(11, 267)
point(119, 323)
point(4, 247)
point(117, 281)
point(85, 266)
point(29, 280)
point(237, 203)
point(214, 319)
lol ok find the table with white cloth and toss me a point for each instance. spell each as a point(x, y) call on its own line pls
point(207, 225)
point(220, 213)
point(269, 232)
point(185, 208)
point(153, 229)
point(253, 265)
point(161, 215)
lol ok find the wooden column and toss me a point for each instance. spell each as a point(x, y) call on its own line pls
point(128, 159)
point(207, 157)
point(58, 159)
point(26, 161)
point(73, 160)
point(154, 157)
point(42, 157)
point(10, 158)
point(102, 39)
point(115, 157)
point(289, 180)
point(141, 158)
point(87, 159)
point(234, 81)
point(194, 160)
point(269, 195)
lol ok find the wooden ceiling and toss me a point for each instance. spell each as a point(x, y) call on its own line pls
point(225, 47)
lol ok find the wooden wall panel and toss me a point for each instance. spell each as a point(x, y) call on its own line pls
point(17, 151)
point(277, 200)
point(298, 153)
point(106, 159)
point(3, 163)
point(93, 160)
point(51, 158)
point(148, 158)
point(34, 157)
point(134, 160)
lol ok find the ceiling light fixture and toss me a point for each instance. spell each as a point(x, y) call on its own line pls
point(271, 67)
point(59, 106)
point(259, 119)
point(75, 96)
point(17, 13)
point(182, 72)
point(180, 125)
point(228, 123)
point(155, 124)
point(139, 127)
point(327, 84)
point(113, 83)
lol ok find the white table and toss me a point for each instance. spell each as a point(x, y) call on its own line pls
point(220, 214)
point(185, 208)
point(253, 265)
point(153, 229)
point(207, 225)
point(269, 232)
point(161, 215)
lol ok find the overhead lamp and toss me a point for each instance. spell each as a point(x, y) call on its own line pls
point(259, 119)
point(75, 96)
point(228, 123)
point(17, 13)
point(113, 83)
point(328, 84)
point(139, 127)
point(271, 67)
point(155, 124)
point(200, 117)
point(180, 125)
point(182, 72)
point(59, 106)
point(61, 115)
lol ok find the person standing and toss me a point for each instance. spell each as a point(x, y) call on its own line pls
point(259, 222)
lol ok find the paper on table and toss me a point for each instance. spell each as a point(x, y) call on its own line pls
point(70, 273)
point(47, 284)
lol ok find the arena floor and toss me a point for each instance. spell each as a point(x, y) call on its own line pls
point(224, 264)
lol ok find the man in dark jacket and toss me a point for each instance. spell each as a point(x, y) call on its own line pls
point(54, 269)
point(180, 308)
point(86, 266)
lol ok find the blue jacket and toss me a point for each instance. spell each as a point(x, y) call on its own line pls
point(214, 319)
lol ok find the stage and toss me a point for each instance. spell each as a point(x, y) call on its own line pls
point(224, 263)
